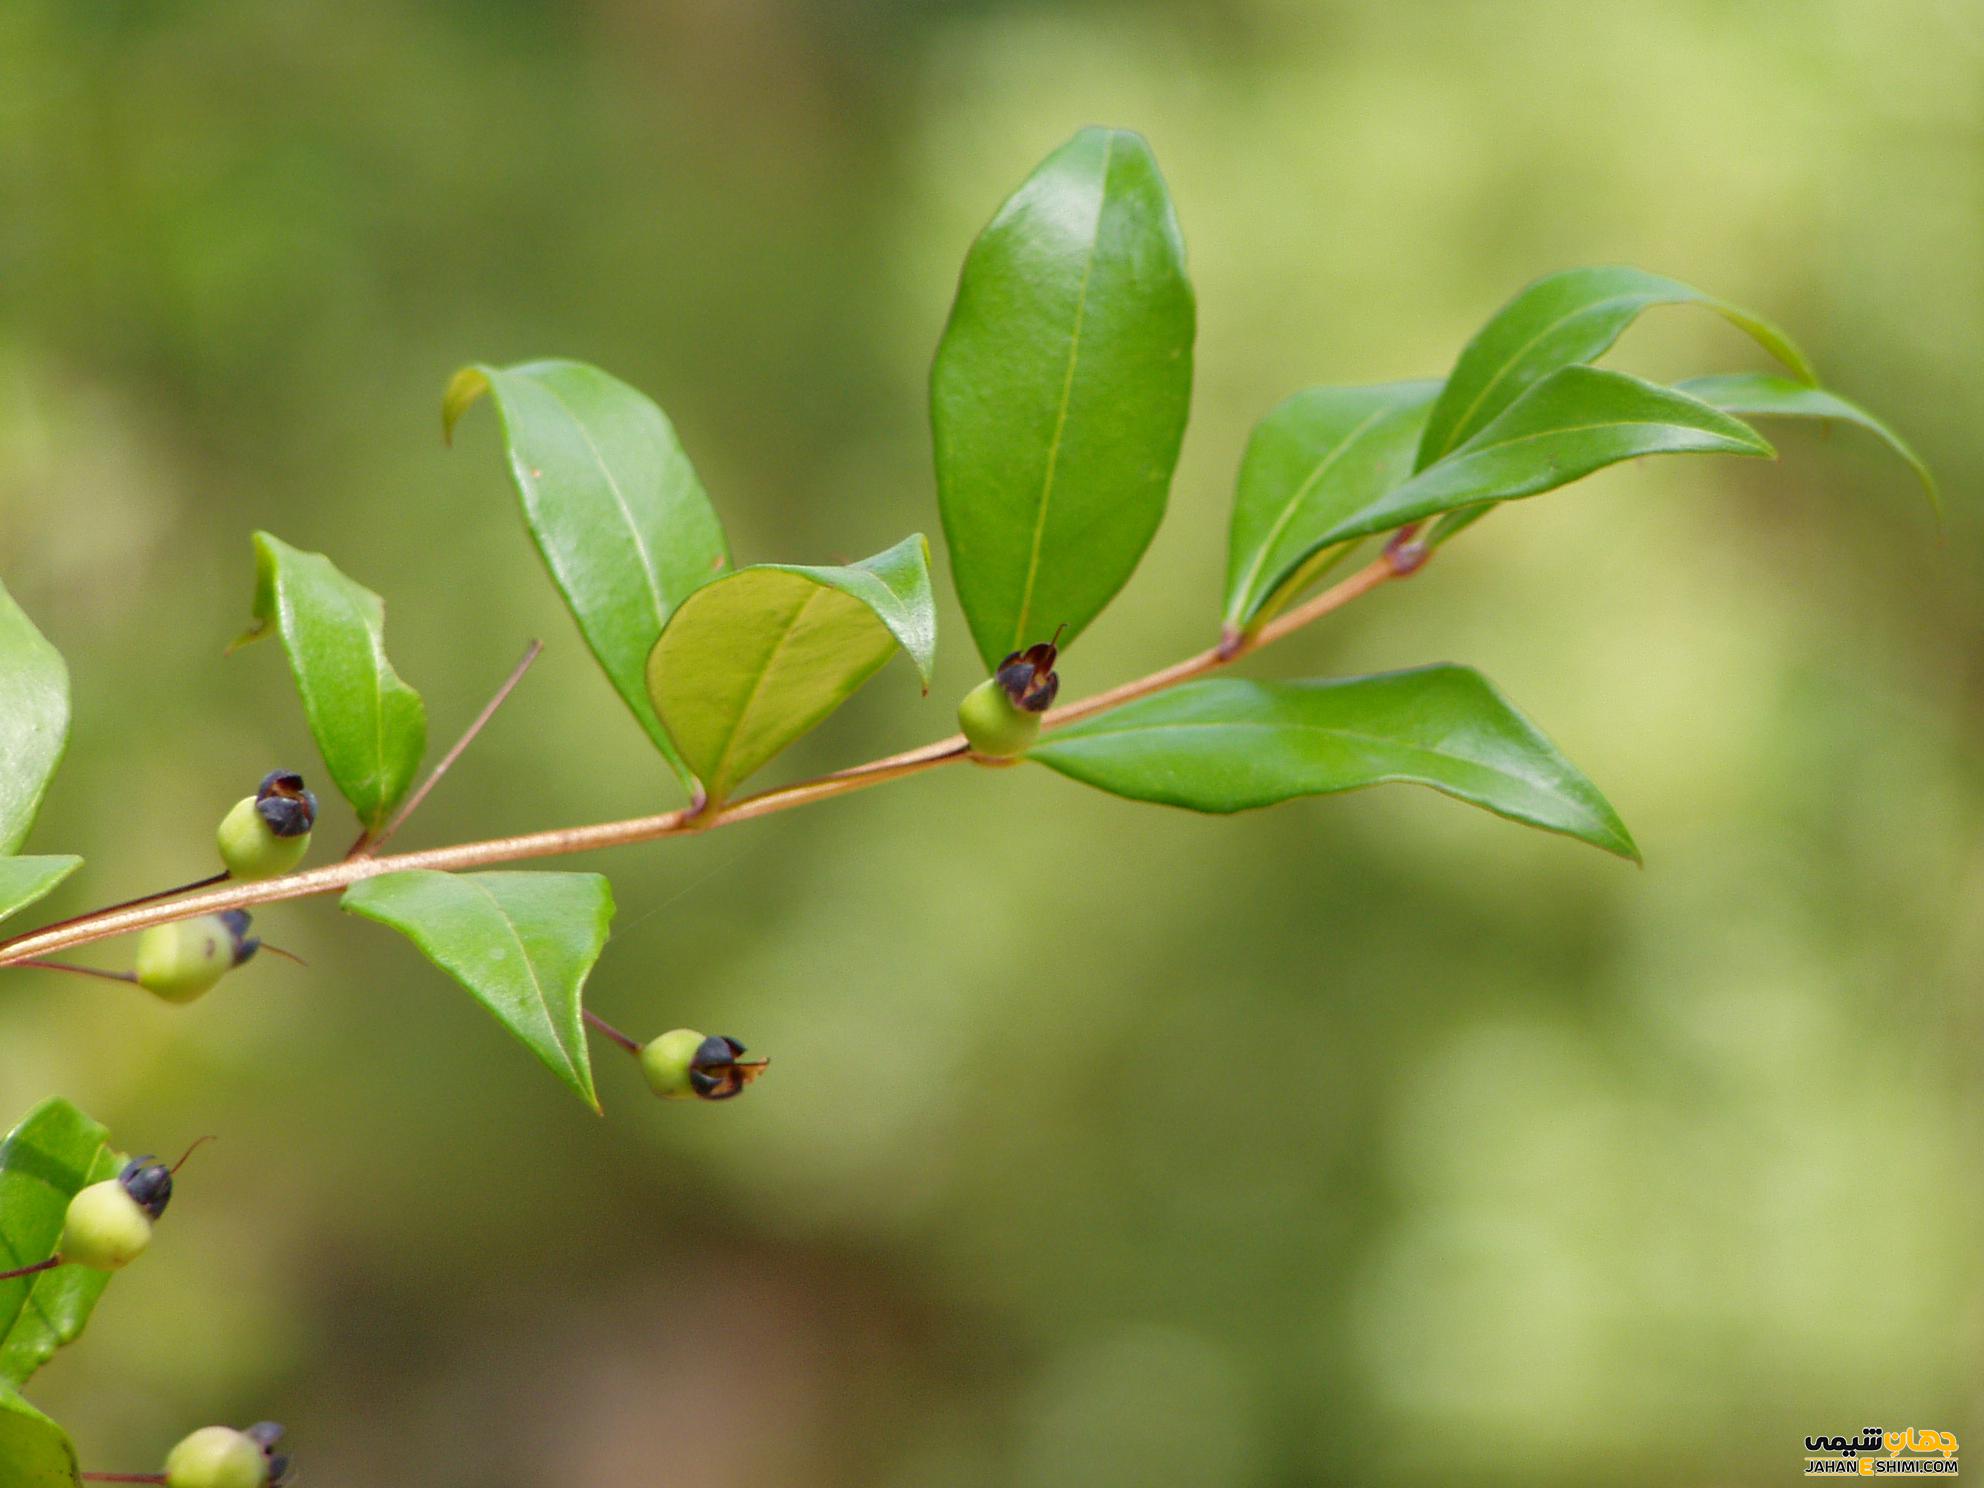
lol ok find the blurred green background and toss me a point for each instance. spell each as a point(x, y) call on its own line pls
point(1371, 1140)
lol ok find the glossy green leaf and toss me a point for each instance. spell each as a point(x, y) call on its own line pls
point(34, 720)
point(34, 1451)
point(757, 659)
point(24, 880)
point(1318, 457)
point(1764, 395)
point(369, 725)
point(54, 1152)
point(1226, 745)
point(1574, 422)
point(1059, 393)
point(615, 506)
point(1561, 321)
point(523, 943)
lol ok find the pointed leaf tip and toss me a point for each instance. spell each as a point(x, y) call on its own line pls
point(616, 509)
point(522, 943)
point(1225, 745)
point(467, 385)
point(753, 661)
point(369, 725)
point(1059, 392)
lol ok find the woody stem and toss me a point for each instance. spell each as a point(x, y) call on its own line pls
point(689, 821)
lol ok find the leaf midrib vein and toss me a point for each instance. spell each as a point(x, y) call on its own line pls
point(523, 954)
point(1313, 479)
point(757, 685)
point(1025, 611)
point(1249, 725)
point(619, 499)
point(1453, 439)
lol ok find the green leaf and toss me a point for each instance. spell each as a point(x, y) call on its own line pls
point(34, 1451)
point(615, 506)
point(24, 880)
point(1572, 423)
point(1560, 321)
point(521, 942)
point(754, 661)
point(370, 727)
point(1059, 393)
point(1320, 456)
point(34, 720)
point(1762, 395)
point(1227, 745)
point(55, 1152)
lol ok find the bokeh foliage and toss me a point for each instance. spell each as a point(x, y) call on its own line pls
point(1364, 1141)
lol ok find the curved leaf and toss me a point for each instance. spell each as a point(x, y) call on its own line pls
point(523, 943)
point(1319, 456)
point(759, 658)
point(1762, 394)
point(1576, 421)
point(609, 494)
point(1225, 745)
point(1560, 321)
point(34, 720)
point(369, 725)
point(24, 880)
point(1058, 397)
point(34, 1451)
point(54, 1153)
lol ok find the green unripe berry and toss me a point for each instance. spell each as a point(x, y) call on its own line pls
point(217, 1457)
point(250, 850)
point(1001, 716)
point(686, 1065)
point(266, 834)
point(106, 1228)
point(993, 724)
point(180, 962)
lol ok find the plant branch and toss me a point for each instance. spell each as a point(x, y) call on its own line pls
point(625, 1040)
point(73, 969)
point(531, 653)
point(690, 820)
point(151, 898)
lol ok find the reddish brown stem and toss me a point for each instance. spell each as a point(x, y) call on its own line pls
point(95, 1477)
point(681, 823)
point(531, 653)
point(89, 971)
point(151, 898)
point(626, 1041)
point(48, 1265)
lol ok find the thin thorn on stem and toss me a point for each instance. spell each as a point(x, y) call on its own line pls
point(630, 1044)
point(48, 1265)
point(276, 950)
point(531, 653)
point(89, 971)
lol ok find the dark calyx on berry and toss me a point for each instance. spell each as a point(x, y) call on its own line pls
point(268, 1433)
point(1028, 677)
point(245, 945)
point(288, 808)
point(149, 1183)
point(715, 1072)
